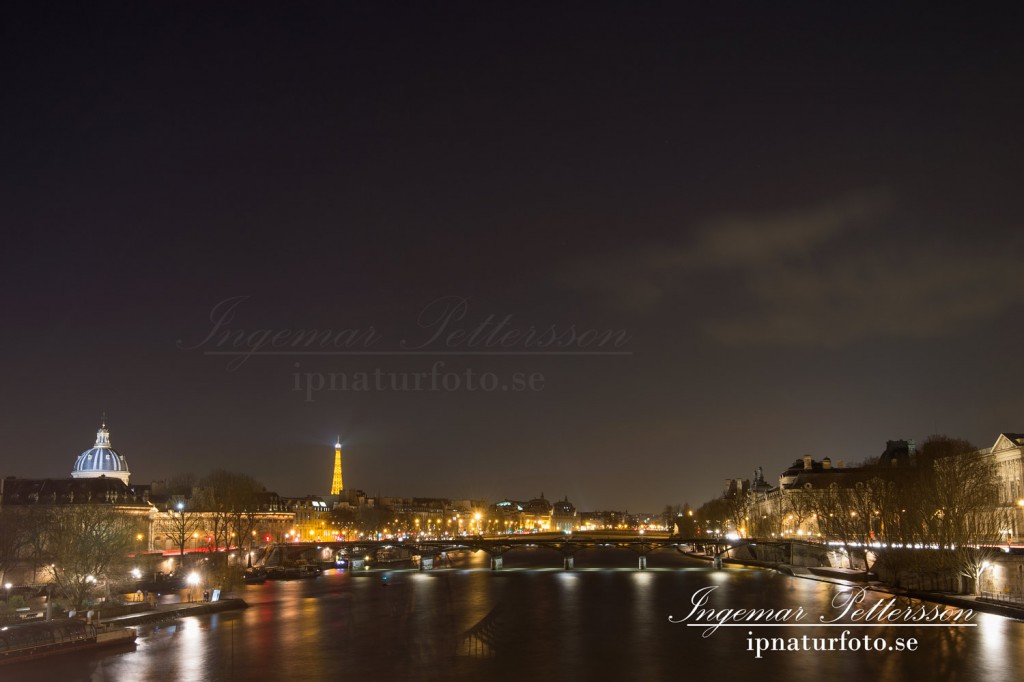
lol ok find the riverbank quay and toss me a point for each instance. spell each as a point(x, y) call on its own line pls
point(854, 578)
point(171, 611)
point(41, 639)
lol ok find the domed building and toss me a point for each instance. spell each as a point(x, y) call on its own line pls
point(537, 514)
point(101, 460)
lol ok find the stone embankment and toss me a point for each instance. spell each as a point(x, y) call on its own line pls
point(846, 576)
point(172, 611)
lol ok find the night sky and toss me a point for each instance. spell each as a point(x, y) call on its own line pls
point(803, 228)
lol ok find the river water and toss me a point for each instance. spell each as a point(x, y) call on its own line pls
point(603, 621)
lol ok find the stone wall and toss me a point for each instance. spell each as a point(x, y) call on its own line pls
point(1004, 578)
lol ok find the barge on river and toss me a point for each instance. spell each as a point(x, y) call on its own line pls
point(33, 640)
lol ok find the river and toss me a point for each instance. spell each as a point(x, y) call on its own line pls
point(606, 620)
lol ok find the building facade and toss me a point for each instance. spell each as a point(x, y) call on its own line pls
point(1006, 455)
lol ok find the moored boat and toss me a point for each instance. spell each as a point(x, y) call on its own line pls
point(254, 576)
point(47, 638)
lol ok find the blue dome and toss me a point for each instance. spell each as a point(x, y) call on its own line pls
point(101, 460)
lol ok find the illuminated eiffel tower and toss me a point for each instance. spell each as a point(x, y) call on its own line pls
point(336, 485)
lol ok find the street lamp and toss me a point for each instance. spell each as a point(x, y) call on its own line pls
point(193, 580)
point(7, 588)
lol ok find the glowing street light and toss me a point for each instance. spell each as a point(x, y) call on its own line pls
point(193, 582)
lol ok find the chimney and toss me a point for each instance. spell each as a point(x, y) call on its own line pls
point(807, 462)
point(826, 463)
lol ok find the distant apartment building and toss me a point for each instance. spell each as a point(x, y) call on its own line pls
point(312, 520)
point(563, 516)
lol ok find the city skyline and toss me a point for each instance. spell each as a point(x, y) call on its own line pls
point(669, 244)
point(499, 341)
point(103, 439)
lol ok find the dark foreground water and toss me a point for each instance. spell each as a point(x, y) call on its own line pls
point(604, 621)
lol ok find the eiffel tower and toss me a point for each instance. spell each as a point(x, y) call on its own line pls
point(336, 485)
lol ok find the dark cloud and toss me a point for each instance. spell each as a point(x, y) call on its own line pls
point(803, 277)
point(750, 241)
point(929, 294)
point(647, 276)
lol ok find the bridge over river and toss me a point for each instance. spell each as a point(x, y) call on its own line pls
point(563, 545)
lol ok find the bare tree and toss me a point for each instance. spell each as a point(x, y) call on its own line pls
point(244, 501)
point(215, 515)
point(182, 485)
point(87, 545)
point(14, 538)
point(832, 512)
point(798, 506)
point(968, 523)
point(239, 496)
point(942, 518)
point(181, 522)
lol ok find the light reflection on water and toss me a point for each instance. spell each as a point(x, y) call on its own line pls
point(646, 617)
point(468, 622)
